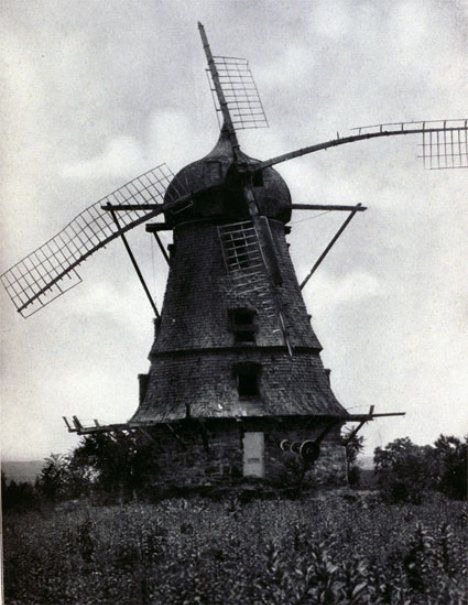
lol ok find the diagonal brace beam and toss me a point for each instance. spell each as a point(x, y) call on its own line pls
point(161, 247)
point(359, 427)
point(135, 265)
point(330, 245)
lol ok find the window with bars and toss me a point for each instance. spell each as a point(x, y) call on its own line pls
point(240, 251)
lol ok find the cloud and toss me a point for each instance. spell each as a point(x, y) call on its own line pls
point(100, 96)
point(329, 291)
point(122, 156)
point(170, 136)
point(330, 19)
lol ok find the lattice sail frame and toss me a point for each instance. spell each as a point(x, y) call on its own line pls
point(241, 93)
point(245, 263)
point(443, 145)
point(50, 270)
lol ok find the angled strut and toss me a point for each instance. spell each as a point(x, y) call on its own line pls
point(355, 431)
point(161, 247)
point(135, 264)
point(331, 244)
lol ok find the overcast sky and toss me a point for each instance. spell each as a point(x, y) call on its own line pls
point(96, 92)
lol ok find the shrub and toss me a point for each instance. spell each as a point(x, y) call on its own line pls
point(18, 496)
point(450, 455)
point(405, 471)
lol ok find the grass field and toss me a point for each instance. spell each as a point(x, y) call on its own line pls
point(334, 550)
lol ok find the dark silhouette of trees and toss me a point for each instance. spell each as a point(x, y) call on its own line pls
point(110, 466)
point(451, 463)
point(18, 497)
point(406, 471)
point(53, 481)
point(116, 463)
point(353, 447)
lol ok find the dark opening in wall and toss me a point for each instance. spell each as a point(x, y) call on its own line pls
point(242, 324)
point(248, 379)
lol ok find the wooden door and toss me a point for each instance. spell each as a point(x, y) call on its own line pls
point(253, 446)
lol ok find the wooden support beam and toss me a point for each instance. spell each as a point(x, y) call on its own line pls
point(359, 417)
point(161, 247)
point(359, 427)
point(69, 426)
point(135, 265)
point(325, 432)
point(77, 424)
point(126, 207)
point(358, 207)
point(330, 245)
point(102, 428)
point(152, 227)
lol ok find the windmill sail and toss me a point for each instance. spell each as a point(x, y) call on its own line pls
point(247, 247)
point(235, 95)
point(240, 91)
point(444, 142)
point(50, 270)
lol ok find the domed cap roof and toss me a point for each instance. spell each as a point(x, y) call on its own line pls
point(217, 192)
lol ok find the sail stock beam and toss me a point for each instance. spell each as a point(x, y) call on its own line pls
point(223, 104)
point(456, 148)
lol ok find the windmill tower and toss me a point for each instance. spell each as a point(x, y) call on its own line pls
point(234, 352)
point(236, 387)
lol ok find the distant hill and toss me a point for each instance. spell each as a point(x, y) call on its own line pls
point(22, 470)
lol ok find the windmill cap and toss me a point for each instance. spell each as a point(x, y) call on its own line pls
point(216, 192)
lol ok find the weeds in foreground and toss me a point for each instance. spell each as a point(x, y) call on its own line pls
point(276, 552)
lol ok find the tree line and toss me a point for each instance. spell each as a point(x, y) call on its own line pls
point(110, 467)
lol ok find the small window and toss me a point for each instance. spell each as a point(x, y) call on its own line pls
point(242, 324)
point(248, 379)
point(247, 385)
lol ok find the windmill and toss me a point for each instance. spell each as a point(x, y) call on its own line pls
point(234, 353)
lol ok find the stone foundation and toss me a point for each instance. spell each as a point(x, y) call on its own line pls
point(195, 453)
